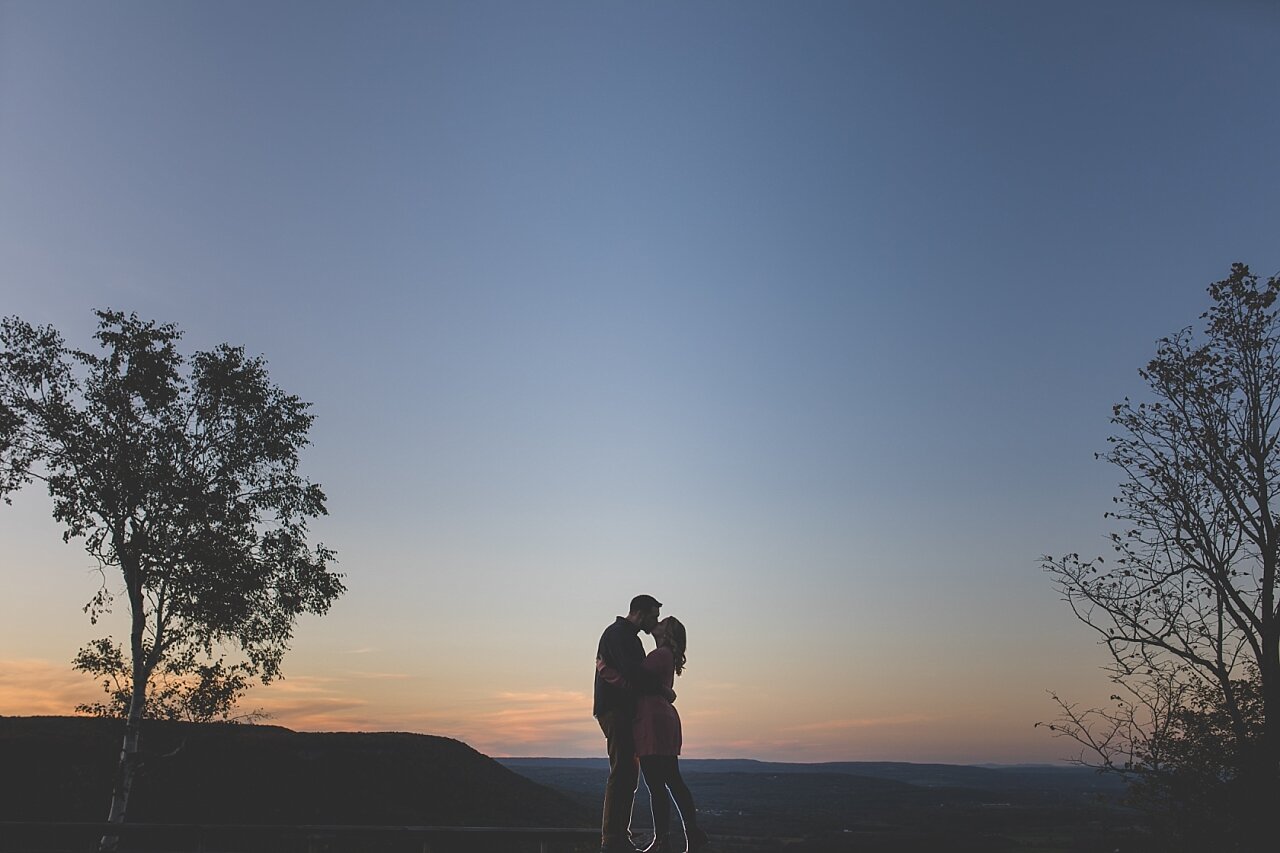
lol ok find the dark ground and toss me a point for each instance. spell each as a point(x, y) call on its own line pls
point(60, 769)
point(883, 807)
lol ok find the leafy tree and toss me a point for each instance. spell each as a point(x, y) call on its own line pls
point(20, 446)
point(188, 487)
point(1188, 609)
point(10, 464)
point(184, 687)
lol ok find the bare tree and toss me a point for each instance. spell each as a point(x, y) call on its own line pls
point(186, 486)
point(1188, 607)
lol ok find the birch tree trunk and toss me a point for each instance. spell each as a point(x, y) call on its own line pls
point(128, 766)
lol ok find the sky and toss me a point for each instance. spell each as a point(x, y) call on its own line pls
point(805, 318)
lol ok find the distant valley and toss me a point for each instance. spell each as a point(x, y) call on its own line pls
point(60, 768)
point(885, 807)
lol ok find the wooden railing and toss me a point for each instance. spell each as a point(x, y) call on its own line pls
point(57, 837)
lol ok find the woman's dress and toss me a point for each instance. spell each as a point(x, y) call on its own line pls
point(657, 726)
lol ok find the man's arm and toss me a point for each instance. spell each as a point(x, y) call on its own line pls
point(624, 653)
point(629, 671)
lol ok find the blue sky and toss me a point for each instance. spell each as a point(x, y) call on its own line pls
point(805, 318)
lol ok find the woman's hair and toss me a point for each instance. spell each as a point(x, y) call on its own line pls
point(675, 638)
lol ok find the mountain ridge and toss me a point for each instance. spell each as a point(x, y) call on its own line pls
point(60, 768)
point(915, 773)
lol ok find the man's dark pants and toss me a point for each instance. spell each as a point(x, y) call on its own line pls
point(624, 776)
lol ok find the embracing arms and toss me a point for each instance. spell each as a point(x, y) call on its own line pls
point(647, 680)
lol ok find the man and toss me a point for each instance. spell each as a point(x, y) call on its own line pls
point(614, 709)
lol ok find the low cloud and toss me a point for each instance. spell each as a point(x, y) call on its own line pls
point(862, 723)
point(821, 740)
point(311, 703)
point(552, 722)
point(538, 723)
point(35, 687)
point(720, 685)
point(379, 676)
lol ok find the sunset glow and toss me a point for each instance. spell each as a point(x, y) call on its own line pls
point(806, 319)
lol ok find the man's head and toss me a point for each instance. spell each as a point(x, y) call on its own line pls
point(644, 612)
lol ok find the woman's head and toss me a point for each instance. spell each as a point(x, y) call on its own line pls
point(670, 633)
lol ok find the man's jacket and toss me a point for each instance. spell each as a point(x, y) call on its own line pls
point(620, 650)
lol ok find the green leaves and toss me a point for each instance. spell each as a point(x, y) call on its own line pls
point(31, 366)
point(184, 687)
point(182, 475)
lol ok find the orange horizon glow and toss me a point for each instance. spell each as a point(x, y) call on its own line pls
point(554, 723)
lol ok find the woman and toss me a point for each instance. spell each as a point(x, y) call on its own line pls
point(658, 736)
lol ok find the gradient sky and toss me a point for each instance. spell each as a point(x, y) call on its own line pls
point(805, 318)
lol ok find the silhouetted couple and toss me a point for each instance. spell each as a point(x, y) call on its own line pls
point(633, 703)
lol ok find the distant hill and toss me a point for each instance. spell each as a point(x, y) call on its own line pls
point(60, 768)
point(987, 777)
point(874, 806)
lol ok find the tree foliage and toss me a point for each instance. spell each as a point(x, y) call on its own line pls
point(184, 687)
point(1188, 607)
point(181, 478)
point(26, 354)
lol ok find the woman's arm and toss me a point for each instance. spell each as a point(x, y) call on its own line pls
point(611, 675)
point(653, 664)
